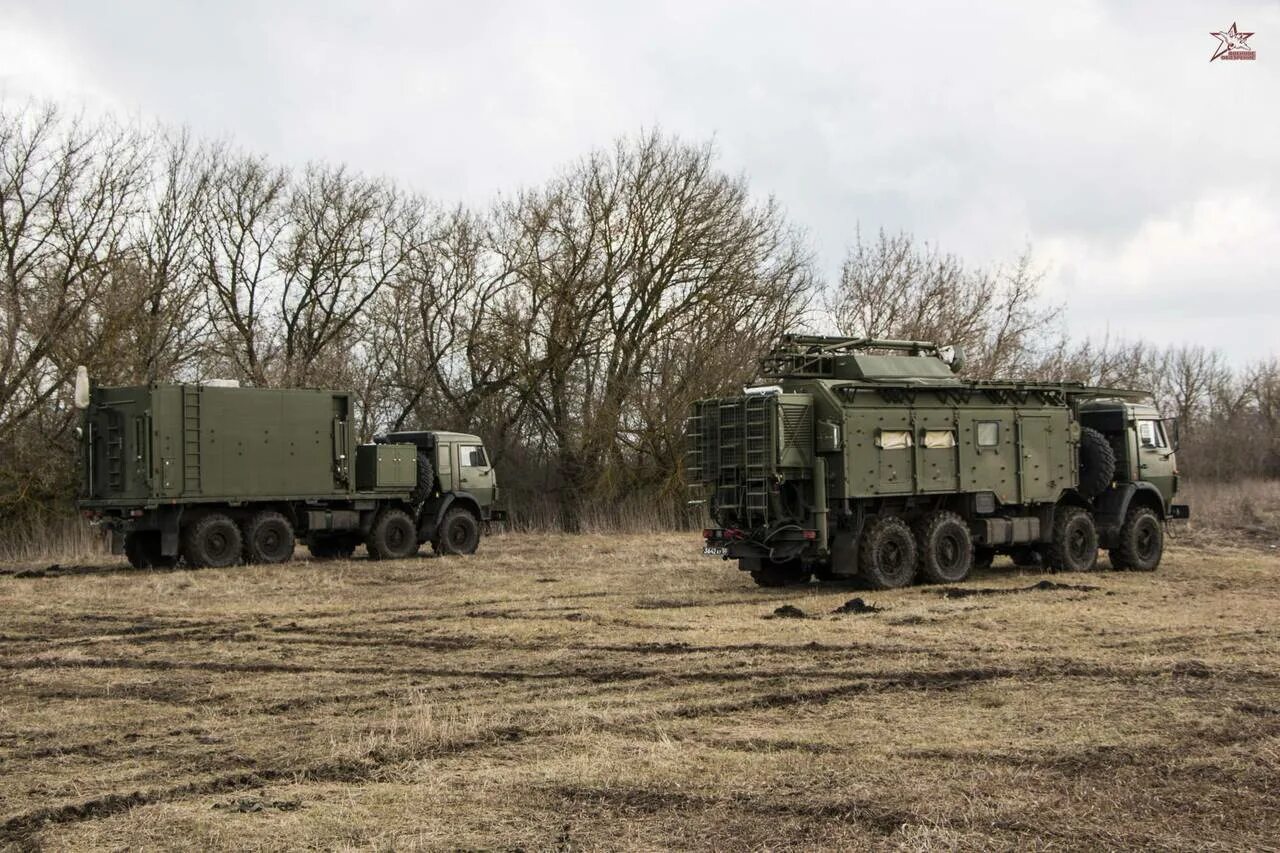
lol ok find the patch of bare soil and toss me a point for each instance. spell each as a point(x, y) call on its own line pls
point(1040, 586)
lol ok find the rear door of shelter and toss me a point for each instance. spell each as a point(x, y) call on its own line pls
point(988, 453)
point(1035, 467)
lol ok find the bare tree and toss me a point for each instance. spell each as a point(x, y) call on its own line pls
point(346, 237)
point(895, 288)
point(67, 192)
point(435, 332)
point(242, 222)
point(646, 245)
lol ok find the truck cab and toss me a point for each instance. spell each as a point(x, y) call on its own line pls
point(455, 473)
point(1144, 443)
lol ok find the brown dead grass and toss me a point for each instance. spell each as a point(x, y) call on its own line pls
point(1237, 512)
point(622, 693)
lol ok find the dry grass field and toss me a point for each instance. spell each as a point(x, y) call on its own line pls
point(622, 693)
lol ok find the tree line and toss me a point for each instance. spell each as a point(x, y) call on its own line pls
point(570, 324)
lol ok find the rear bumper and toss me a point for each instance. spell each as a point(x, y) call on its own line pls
point(779, 545)
point(1179, 511)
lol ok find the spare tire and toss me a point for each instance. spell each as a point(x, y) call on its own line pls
point(1097, 463)
point(426, 478)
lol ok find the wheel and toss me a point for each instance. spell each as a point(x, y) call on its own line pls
point(332, 547)
point(459, 533)
point(211, 541)
point(426, 478)
point(142, 547)
point(788, 573)
point(268, 538)
point(945, 547)
point(1075, 541)
point(393, 536)
point(1140, 543)
point(1097, 463)
point(887, 557)
point(983, 557)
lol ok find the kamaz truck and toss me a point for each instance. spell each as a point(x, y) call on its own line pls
point(871, 460)
point(214, 474)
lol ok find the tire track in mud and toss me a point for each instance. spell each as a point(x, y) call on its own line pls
point(21, 827)
point(881, 819)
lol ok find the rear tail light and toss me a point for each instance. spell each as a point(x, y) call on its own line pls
point(811, 534)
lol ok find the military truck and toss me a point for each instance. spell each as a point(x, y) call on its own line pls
point(871, 459)
point(215, 474)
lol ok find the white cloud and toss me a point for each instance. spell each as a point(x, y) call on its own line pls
point(1098, 133)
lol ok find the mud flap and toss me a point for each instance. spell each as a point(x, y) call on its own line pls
point(169, 525)
point(844, 554)
point(115, 540)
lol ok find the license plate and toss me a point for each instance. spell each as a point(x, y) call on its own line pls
point(715, 551)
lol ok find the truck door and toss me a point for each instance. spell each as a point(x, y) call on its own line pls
point(1034, 468)
point(1155, 459)
point(987, 454)
point(475, 475)
point(444, 465)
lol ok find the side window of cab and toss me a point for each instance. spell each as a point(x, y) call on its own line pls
point(1151, 435)
point(472, 456)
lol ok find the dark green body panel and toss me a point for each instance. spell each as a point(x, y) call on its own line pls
point(386, 466)
point(148, 445)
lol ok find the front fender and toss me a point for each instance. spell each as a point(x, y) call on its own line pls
point(433, 513)
point(1113, 505)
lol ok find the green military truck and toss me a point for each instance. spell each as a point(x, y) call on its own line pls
point(216, 474)
point(871, 459)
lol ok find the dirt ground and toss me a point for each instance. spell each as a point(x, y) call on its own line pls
point(595, 693)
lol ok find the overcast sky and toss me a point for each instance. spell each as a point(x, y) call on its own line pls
point(1143, 176)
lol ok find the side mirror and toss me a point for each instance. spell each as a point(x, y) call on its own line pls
point(82, 387)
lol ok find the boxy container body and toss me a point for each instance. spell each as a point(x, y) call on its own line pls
point(202, 443)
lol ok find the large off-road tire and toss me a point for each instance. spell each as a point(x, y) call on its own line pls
point(142, 547)
point(944, 546)
point(1075, 541)
point(393, 536)
point(426, 478)
point(268, 538)
point(459, 532)
point(211, 541)
point(1140, 542)
point(887, 555)
point(332, 547)
point(1097, 463)
point(788, 573)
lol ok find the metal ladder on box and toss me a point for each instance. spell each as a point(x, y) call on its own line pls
point(693, 455)
point(115, 452)
point(756, 456)
point(728, 444)
point(190, 440)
